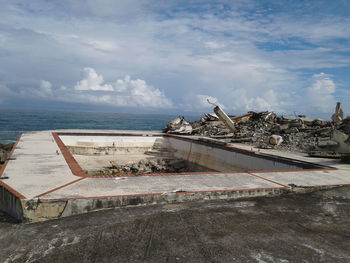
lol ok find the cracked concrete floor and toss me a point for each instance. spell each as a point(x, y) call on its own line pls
point(312, 227)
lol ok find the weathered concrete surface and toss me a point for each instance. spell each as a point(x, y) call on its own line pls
point(311, 178)
point(35, 166)
point(313, 227)
point(139, 185)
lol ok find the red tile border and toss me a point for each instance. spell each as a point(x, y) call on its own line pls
point(164, 174)
point(60, 187)
point(72, 163)
point(271, 181)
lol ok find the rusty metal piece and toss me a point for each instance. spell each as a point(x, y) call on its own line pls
point(242, 118)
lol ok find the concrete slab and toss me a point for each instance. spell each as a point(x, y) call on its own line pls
point(35, 167)
point(124, 186)
point(310, 178)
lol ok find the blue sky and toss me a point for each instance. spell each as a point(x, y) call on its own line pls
point(170, 56)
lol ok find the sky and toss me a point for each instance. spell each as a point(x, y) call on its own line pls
point(287, 56)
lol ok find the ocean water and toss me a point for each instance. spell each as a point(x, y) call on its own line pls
point(15, 122)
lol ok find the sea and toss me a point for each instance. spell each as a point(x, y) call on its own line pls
point(15, 122)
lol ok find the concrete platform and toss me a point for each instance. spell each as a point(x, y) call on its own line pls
point(44, 181)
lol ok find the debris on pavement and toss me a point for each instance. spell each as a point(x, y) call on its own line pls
point(149, 166)
point(268, 130)
point(178, 126)
point(275, 140)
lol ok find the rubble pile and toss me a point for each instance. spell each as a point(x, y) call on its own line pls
point(267, 130)
point(345, 126)
point(178, 125)
point(291, 133)
point(148, 166)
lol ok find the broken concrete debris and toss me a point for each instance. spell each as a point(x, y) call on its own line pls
point(161, 165)
point(178, 126)
point(339, 139)
point(225, 119)
point(266, 130)
point(275, 140)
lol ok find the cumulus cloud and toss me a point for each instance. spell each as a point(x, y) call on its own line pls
point(139, 93)
point(45, 87)
point(321, 93)
point(92, 81)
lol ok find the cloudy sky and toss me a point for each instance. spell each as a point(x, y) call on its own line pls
point(288, 56)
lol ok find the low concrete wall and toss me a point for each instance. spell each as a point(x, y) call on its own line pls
point(107, 150)
point(10, 204)
point(51, 209)
point(112, 145)
point(110, 141)
point(222, 158)
point(35, 210)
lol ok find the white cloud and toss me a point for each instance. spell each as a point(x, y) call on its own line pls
point(139, 93)
point(323, 84)
point(321, 93)
point(122, 85)
point(92, 81)
point(214, 45)
point(45, 87)
point(264, 100)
